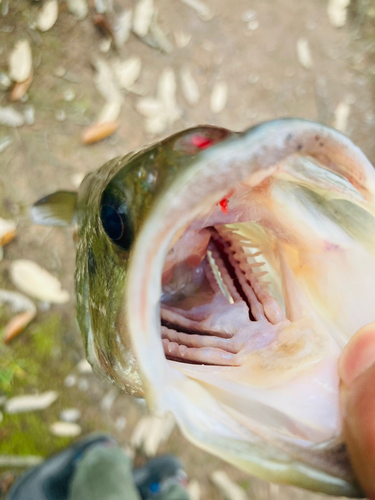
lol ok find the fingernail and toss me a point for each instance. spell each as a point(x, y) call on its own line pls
point(358, 355)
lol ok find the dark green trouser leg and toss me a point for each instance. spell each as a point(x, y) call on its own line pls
point(106, 474)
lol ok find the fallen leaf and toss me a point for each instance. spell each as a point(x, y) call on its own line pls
point(203, 10)
point(229, 489)
point(23, 461)
point(109, 113)
point(20, 88)
point(337, 11)
point(158, 38)
point(190, 88)
point(304, 53)
point(167, 95)
point(194, 490)
point(32, 402)
point(78, 8)
point(20, 61)
point(122, 28)
point(149, 107)
point(19, 304)
point(5, 142)
point(65, 429)
point(35, 281)
point(219, 97)
point(10, 117)
point(48, 15)
point(143, 12)
point(182, 39)
point(128, 71)
point(105, 82)
point(97, 132)
point(16, 325)
point(341, 116)
point(7, 231)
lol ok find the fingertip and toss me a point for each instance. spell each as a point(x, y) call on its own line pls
point(358, 355)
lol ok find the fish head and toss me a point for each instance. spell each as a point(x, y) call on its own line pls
point(220, 275)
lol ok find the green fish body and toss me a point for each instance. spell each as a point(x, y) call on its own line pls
point(219, 275)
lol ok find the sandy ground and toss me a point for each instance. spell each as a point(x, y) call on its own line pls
point(265, 80)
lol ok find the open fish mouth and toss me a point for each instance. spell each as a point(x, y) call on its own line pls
point(245, 283)
point(220, 275)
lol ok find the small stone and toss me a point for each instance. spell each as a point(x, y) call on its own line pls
point(60, 71)
point(48, 15)
point(60, 115)
point(5, 81)
point(253, 25)
point(219, 97)
point(105, 45)
point(83, 366)
point(78, 8)
point(70, 381)
point(70, 415)
point(29, 114)
point(248, 15)
point(69, 95)
point(253, 78)
point(83, 384)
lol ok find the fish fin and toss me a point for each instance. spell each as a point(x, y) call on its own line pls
point(56, 209)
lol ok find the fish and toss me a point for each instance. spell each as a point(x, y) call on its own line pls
point(219, 275)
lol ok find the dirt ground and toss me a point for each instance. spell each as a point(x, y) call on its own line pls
point(265, 80)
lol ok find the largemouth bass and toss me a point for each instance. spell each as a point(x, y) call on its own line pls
point(220, 275)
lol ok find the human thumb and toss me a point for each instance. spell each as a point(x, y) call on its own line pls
point(357, 399)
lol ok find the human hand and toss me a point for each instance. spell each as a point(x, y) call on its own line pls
point(357, 399)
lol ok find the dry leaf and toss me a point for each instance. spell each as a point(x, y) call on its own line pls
point(304, 54)
point(20, 61)
point(35, 281)
point(20, 88)
point(189, 86)
point(122, 28)
point(10, 117)
point(149, 107)
point(65, 429)
point(105, 82)
point(182, 39)
point(203, 10)
point(229, 489)
point(128, 71)
point(194, 490)
point(48, 15)
point(97, 132)
point(109, 113)
point(167, 95)
point(219, 97)
point(19, 304)
point(32, 402)
point(16, 325)
point(337, 11)
point(341, 116)
point(157, 36)
point(143, 12)
point(78, 8)
point(10, 461)
point(7, 231)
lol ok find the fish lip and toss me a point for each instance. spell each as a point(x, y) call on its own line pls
point(257, 153)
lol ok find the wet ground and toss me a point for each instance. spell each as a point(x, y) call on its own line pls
point(252, 48)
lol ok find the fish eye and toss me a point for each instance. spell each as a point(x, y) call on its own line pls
point(115, 223)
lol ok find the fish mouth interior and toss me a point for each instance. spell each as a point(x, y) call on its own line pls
point(251, 306)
